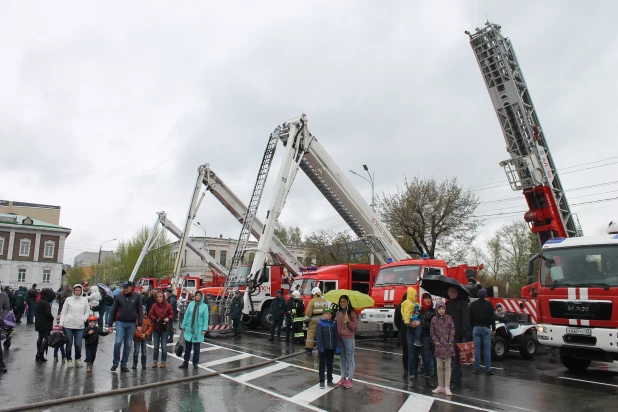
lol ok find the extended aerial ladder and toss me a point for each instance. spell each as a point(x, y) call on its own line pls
point(303, 150)
point(531, 167)
point(173, 229)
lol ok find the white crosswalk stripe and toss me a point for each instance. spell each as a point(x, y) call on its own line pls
point(226, 360)
point(261, 372)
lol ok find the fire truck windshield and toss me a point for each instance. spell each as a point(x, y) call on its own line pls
point(241, 279)
point(580, 266)
point(307, 285)
point(398, 275)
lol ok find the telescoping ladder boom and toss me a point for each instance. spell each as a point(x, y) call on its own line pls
point(173, 229)
point(531, 167)
point(303, 150)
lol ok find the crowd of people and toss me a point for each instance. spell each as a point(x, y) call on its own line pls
point(428, 332)
point(86, 313)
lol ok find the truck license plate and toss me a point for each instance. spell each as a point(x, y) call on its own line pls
point(579, 331)
point(380, 316)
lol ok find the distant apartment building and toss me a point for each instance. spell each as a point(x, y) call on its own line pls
point(219, 248)
point(31, 251)
point(87, 260)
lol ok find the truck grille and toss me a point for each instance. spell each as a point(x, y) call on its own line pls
point(580, 309)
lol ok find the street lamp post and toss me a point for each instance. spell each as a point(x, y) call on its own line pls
point(99, 261)
point(371, 181)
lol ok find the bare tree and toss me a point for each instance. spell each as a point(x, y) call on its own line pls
point(434, 217)
point(290, 236)
point(329, 248)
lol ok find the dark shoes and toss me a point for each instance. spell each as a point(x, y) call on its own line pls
point(405, 375)
point(184, 366)
point(40, 358)
point(272, 338)
point(3, 369)
point(134, 366)
point(143, 366)
point(114, 367)
point(195, 367)
point(411, 384)
point(428, 383)
point(330, 384)
point(124, 369)
point(489, 373)
point(322, 385)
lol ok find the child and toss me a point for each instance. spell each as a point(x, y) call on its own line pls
point(327, 339)
point(501, 317)
point(58, 329)
point(417, 330)
point(91, 336)
point(140, 339)
point(442, 332)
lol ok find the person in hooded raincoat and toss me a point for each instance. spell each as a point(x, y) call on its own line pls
point(194, 327)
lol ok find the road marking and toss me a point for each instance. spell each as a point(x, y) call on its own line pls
point(261, 372)
point(581, 380)
point(416, 403)
point(309, 395)
point(381, 351)
point(208, 349)
point(226, 360)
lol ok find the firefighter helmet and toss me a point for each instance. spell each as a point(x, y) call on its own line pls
point(316, 291)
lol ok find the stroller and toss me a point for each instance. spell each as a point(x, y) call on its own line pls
point(6, 329)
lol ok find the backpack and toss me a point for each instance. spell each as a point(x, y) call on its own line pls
point(20, 301)
point(109, 300)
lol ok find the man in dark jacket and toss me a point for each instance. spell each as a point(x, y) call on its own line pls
point(402, 335)
point(483, 321)
point(128, 309)
point(31, 301)
point(43, 322)
point(171, 299)
point(236, 308)
point(277, 311)
point(20, 303)
point(459, 309)
point(9, 292)
point(66, 293)
point(5, 308)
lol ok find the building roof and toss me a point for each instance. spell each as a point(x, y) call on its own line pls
point(13, 219)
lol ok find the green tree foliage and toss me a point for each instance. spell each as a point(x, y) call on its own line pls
point(290, 236)
point(75, 275)
point(329, 248)
point(158, 263)
point(505, 256)
point(433, 217)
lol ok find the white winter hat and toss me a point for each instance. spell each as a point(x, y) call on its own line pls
point(296, 294)
point(316, 291)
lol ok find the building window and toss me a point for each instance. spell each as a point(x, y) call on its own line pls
point(211, 252)
point(300, 259)
point(24, 247)
point(1, 245)
point(46, 276)
point(223, 257)
point(48, 252)
point(21, 276)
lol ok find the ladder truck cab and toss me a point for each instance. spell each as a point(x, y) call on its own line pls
point(578, 298)
point(394, 279)
point(148, 284)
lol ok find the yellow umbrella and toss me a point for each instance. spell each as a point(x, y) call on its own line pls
point(357, 299)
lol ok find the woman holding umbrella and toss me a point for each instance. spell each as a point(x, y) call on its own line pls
point(347, 323)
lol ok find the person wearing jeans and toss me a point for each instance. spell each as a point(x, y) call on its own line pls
point(427, 314)
point(161, 316)
point(483, 321)
point(128, 309)
point(73, 316)
point(347, 324)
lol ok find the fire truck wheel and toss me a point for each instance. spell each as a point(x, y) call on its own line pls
point(528, 347)
point(499, 348)
point(265, 317)
point(250, 322)
point(574, 364)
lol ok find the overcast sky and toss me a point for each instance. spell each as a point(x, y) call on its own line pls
point(108, 109)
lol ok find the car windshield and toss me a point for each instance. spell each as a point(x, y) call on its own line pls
point(306, 286)
point(241, 279)
point(580, 266)
point(398, 275)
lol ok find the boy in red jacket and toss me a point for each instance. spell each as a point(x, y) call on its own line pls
point(139, 341)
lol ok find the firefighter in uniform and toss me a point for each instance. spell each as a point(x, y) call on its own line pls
point(295, 319)
point(315, 308)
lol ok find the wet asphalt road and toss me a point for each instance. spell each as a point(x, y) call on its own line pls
point(291, 385)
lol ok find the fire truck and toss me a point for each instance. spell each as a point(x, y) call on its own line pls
point(573, 279)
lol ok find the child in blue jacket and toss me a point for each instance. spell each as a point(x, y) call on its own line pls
point(327, 339)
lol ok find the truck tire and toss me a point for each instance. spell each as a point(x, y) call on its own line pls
point(265, 316)
point(499, 348)
point(528, 347)
point(248, 321)
point(574, 364)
